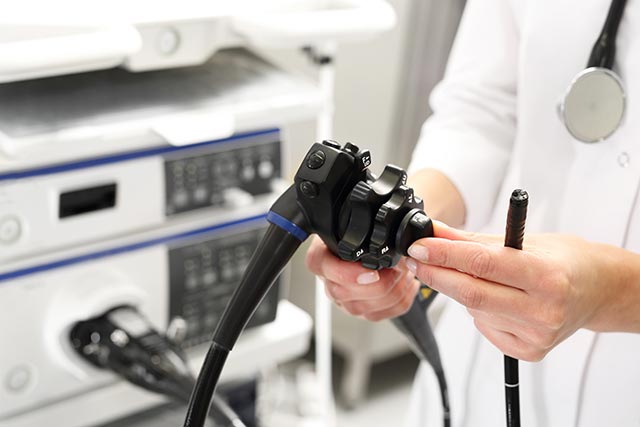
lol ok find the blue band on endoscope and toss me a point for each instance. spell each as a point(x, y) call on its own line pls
point(287, 226)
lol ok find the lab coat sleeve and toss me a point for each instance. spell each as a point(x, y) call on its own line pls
point(470, 135)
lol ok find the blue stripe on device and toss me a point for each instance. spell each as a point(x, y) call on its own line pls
point(287, 226)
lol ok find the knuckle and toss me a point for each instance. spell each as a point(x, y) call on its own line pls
point(315, 255)
point(480, 263)
point(387, 287)
point(471, 297)
point(531, 354)
point(354, 308)
point(405, 303)
point(540, 339)
point(438, 254)
point(335, 273)
point(473, 236)
point(425, 274)
point(554, 317)
point(554, 279)
point(374, 317)
point(334, 293)
point(311, 262)
point(397, 292)
point(329, 293)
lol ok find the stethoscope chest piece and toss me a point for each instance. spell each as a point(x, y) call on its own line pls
point(594, 105)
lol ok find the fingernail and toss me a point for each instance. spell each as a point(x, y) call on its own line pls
point(366, 278)
point(419, 252)
point(412, 265)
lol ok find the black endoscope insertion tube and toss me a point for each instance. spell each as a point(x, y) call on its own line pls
point(268, 261)
point(514, 236)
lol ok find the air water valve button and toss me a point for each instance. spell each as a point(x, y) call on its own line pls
point(316, 159)
point(10, 229)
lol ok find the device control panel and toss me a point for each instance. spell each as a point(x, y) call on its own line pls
point(46, 209)
point(203, 276)
point(199, 181)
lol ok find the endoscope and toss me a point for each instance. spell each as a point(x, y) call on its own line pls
point(361, 218)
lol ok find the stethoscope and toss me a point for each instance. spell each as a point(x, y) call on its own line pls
point(594, 104)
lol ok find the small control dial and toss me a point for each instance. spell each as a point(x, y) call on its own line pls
point(168, 41)
point(19, 378)
point(10, 230)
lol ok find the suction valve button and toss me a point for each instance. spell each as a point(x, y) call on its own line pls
point(309, 189)
point(10, 229)
point(316, 159)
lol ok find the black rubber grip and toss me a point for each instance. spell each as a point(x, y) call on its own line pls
point(516, 219)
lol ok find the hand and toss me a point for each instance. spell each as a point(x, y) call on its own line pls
point(526, 302)
point(372, 295)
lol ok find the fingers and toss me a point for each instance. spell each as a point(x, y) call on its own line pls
point(442, 230)
point(510, 344)
point(395, 302)
point(491, 262)
point(373, 291)
point(402, 306)
point(474, 293)
point(373, 295)
point(323, 263)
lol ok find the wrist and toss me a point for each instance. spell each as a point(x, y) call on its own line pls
point(618, 283)
point(442, 200)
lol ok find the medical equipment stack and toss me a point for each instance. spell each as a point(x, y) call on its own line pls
point(138, 159)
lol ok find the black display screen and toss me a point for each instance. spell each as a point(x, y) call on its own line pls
point(87, 200)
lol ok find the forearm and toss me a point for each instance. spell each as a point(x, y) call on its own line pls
point(442, 200)
point(619, 309)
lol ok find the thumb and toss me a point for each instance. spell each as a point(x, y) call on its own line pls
point(443, 231)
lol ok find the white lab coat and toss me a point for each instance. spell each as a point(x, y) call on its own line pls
point(495, 129)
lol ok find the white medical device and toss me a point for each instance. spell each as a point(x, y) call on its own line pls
point(145, 184)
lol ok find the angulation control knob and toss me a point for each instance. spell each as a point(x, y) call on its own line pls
point(387, 223)
point(377, 208)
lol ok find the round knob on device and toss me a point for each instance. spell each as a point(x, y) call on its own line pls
point(415, 225)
